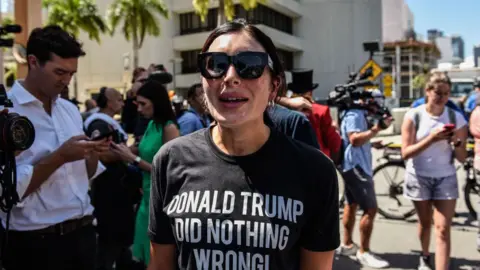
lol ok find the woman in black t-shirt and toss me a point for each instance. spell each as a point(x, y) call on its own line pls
point(239, 195)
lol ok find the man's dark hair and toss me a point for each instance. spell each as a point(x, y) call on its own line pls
point(53, 39)
point(192, 91)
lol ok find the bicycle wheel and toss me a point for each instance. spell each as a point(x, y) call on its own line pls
point(388, 179)
point(472, 198)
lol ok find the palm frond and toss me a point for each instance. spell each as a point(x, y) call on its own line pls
point(201, 8)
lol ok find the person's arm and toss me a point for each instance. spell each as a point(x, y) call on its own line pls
point(353, 127)
point(162, 257)
point(162, 247)
point(170, 132)
point(316, 260)
point(321, 234)
point(296, 103)
point(475, 123)
point(38, 174)
point(32, 177)
point(461, 150)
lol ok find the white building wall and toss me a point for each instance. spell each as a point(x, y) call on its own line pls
point(393, 27)
point(328, 37)
point(333, 33)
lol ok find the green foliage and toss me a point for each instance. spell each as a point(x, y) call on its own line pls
point(76, 15)
point(139, 18)
point(228, 8)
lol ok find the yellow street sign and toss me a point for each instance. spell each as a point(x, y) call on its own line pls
point(376, 69)
point(387, 80)
point(387, 91)
point(387, 85)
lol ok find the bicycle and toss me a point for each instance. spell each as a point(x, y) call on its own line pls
point(393, 160)
point(472, 185)
point(388, 189)
point(392, 155)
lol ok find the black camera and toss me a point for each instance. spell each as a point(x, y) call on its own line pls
point(17, 132)
point(346, 97)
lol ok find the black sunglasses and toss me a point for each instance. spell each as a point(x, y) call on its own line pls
point(249, 65)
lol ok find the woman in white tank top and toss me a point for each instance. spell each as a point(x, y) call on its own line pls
point(433, 135)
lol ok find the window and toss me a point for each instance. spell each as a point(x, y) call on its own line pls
point(189, 63)
point(190, 22)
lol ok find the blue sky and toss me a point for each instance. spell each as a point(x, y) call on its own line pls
point(450, 16)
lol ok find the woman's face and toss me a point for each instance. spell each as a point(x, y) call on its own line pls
point(145, 107)
point(231, 100)
point(439, 94)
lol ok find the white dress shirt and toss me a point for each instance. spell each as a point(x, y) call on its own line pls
point(64, 195)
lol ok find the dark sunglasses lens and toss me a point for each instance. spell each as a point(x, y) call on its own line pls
point(214, 65)
point(250, 65)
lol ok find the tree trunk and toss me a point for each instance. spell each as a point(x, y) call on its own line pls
point(221, 13)
point(135, 51)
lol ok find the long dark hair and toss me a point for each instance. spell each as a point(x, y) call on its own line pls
point(239, 25)
point(158, 95)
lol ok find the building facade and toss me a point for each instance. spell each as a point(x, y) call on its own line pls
point(405, 60)
point(458, 46)
point(476, 55)
point(397, 18)
point(433, 34)
point(324, 35)
point(452, 48)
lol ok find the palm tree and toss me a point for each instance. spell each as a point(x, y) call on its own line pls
point(139, 19)
point(73, 16)
point(226, 8)
point(76, 15)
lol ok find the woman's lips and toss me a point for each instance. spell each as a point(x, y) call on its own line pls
point(232, 100)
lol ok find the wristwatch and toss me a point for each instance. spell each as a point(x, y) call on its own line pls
point(136, 161)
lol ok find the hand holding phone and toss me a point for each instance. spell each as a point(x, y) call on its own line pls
point(449, 127)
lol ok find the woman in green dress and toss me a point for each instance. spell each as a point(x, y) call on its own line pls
point(153, 103)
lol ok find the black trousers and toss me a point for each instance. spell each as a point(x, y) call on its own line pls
point(111, 253)
point(75, 251)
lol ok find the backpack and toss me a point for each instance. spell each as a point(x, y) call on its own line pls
point(452, 118)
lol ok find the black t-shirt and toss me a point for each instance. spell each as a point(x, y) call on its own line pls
point(293, 124)
point(253, 211)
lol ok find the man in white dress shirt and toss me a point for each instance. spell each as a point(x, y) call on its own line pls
point(51, 227)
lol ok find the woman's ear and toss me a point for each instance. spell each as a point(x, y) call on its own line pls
point(276, 84)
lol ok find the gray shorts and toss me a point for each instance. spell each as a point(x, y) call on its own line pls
point(421, 188)
point(359, 188)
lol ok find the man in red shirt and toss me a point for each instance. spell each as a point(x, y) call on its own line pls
point(319, 116)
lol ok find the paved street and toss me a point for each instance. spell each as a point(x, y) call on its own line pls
point(397, 241)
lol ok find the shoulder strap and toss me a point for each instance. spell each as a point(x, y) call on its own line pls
point(451, 116)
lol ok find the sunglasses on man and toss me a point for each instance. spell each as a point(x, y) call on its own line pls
point(248, 65)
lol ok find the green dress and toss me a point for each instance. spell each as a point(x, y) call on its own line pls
point(149, 145)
